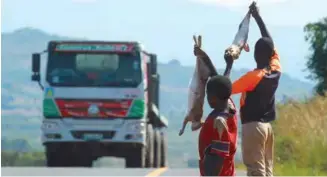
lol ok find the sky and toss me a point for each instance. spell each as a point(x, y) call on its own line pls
point(166, 26)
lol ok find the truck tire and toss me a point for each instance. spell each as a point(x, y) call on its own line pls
point(149, 147)
point(157, 149)
point(164, 150)
point(136, 157)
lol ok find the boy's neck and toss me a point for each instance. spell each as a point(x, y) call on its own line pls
point(222, 106)
point(262, 66)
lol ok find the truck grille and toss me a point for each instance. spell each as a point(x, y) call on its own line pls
point(105, 134)
point(105, 108)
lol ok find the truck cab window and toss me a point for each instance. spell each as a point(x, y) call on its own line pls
point(94, 69)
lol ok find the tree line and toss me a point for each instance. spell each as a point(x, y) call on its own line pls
point(316, 35)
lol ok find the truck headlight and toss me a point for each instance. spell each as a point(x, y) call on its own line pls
point(135, 127)
point(49, 126)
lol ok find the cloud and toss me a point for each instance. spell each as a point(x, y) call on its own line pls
point(21, 112)
point(238, 3)
point(84, 1)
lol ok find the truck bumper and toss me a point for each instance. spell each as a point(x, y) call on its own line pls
point(96, 149)
point(104, 131)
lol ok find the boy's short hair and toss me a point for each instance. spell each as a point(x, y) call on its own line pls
point(263, 51)
point(219, 86)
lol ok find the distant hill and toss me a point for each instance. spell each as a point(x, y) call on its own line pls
point(17, 145)
point(21, 98)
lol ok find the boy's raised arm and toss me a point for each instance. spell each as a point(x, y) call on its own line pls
point(256, 15)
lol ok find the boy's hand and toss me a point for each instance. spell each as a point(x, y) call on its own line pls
point(220, 124)
point(197, 47)
point(228, 57)
point(199, 52)
point(254, 10)
point(232, 53)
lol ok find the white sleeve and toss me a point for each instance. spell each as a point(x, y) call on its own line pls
point(220, 124)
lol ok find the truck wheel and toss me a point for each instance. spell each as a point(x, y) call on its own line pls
point(136, 157)
point(149, 147)
point(164, 150)
point(157, 149)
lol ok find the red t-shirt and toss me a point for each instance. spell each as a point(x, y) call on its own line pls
point(228, 141)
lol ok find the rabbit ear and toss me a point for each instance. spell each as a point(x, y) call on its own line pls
point(200, 40)
point(195, 41)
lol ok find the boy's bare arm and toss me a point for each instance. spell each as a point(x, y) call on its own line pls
point(229, 63)
point(256, 15)
point(203, 55)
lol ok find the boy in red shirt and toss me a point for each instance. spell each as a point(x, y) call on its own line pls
point(218, 135)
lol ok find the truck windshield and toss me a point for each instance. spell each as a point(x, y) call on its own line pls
point(93, 70)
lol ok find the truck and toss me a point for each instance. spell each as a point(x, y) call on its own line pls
point(101, 99)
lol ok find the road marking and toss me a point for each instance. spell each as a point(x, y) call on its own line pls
point(157, 172)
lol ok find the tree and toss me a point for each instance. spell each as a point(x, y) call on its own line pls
point(316, 35)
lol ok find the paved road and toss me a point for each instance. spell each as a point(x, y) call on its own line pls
point(32, 171)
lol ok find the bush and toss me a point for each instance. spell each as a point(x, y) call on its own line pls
point(301, 138)
point(10, 158)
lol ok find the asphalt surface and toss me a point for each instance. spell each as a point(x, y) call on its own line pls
point(33, 171)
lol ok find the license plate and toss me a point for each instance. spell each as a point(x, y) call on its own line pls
point(92, 136)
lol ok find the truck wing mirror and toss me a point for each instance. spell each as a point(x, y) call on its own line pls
point(36, 62)
point(36, 77)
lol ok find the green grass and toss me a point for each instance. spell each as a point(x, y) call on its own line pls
point(11, 158)
point(292, 169)
point(301, 138)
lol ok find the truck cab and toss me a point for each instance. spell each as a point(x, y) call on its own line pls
point(101, 98)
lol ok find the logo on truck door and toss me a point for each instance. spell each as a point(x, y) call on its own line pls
point(49, 92)
point(93, 109)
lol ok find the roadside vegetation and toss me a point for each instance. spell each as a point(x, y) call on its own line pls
point(301, 138)
point(301, 128)
point(14, 158)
